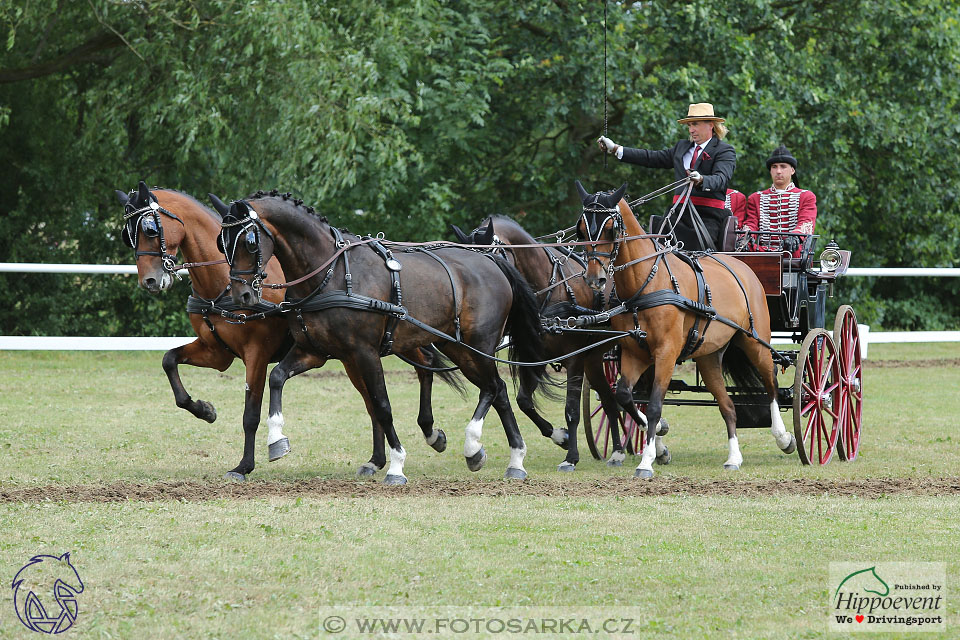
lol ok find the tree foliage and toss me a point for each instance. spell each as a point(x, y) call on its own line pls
point(402, 117)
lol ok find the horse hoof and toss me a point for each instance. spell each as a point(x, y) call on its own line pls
point(440, 444)
point(792, 446)
point(394, 480)
point(566, 467)
point(207, 411)
point(367, 469)
point(477, 460)
point(279, 449)
point(563, 440)
point(643, 474)
point(514, 474)
point(731, 467)
point(235, 476)
point(665, 457)
point(613, 462)
point(663, 428)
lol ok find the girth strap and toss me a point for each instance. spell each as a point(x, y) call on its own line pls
point(457, 300)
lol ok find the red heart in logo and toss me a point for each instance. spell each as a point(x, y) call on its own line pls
point(859, 618)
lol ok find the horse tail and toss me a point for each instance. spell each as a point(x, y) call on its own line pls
point(751, 402)
point(437, 360)
point(523, 325)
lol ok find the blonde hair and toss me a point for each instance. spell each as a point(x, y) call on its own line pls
point(720, 130)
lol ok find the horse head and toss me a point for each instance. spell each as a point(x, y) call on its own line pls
point(600, 224)
point(154, 245)
point(247, 245)
point(46, 580)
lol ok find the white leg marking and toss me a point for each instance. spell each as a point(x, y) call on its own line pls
point(516, 458)
point(557, 436)
point(776, 426)
point(471, 443)
point(646, 460)
point(735, 457)
point(275, 428)
point(660, 447)
point(397, 458)
point(617, 456)
point(432, 438)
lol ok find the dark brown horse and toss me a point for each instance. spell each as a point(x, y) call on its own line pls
point(355, 300)
point(552, 272)
point(657, 282)
point(158, 224)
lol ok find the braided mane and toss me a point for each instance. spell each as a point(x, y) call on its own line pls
point(287, 196)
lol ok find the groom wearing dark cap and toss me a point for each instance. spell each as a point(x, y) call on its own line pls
point(783, 208)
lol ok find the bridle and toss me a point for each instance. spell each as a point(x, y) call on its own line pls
point(593, 232)
point(147, 219)
point(250, 228)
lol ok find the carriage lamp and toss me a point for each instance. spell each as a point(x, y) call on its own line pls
point(830, 258)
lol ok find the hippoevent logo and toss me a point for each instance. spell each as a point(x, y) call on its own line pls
point(891, 596)
point(45, 594)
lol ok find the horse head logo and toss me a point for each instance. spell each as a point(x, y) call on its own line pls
point(45, 593)
point(865, 580)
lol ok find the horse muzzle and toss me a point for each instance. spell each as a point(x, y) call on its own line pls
point(597, 283)
point(157, 282)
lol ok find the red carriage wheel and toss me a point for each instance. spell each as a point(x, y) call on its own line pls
point(816, 398)
point(846, 335)
point(596, 425)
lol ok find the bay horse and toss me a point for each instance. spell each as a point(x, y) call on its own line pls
point(459, 300)
point(721, 331)
point(552, 272)
point(158, 224)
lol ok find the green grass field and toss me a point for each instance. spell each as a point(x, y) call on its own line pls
point(704, 559)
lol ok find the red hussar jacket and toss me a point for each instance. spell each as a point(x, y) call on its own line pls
point(792, 210)
point(736, 202)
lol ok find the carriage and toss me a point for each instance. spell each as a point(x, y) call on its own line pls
point(826, 393)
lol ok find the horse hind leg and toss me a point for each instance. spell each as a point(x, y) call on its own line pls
point(762, 359)
point(436, 438)
point(711, 372)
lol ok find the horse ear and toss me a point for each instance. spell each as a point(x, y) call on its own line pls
point(144, 193)
point(582, 192)
point(122, 197)
point(218, 204)
point(618, 194)
point(485, 234)
point(462, 238)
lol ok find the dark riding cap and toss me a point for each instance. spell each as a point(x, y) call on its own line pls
point(781, 154)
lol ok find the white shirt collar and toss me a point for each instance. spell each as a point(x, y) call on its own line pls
point(789, 187)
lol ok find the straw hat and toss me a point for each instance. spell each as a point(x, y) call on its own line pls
point(700, 111)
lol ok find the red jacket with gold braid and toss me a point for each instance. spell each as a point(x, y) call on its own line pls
point(791, 210)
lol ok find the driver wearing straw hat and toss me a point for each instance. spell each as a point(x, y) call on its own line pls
point(707, 161)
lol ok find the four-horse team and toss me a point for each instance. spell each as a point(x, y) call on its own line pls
point(617, 305)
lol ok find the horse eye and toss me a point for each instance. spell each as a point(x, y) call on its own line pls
point(251, 240)
point(149, 226)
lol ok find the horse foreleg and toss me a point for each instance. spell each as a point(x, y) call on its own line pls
point(571, 413)
point(662, 372)
point(295, 362)
point(436, 438)
point(712, 374)
point(198, 354)
point(256, 369)
point(366, 368)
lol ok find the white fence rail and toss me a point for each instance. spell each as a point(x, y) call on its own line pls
point(61, 343)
